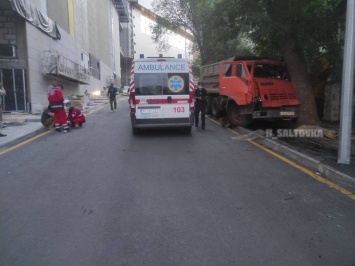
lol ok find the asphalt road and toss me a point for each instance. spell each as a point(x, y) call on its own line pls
point(101, 196)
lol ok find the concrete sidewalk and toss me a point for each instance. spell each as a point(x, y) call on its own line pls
point(20, 126)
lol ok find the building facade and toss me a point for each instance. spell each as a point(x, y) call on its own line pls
point(84, 45)
point(73, 41)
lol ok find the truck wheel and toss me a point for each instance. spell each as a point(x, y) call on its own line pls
point(236, 118)
point(209, 105)
point(216, 112)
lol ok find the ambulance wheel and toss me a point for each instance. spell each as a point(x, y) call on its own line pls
point(135, 131)
point(236, 119)
point(187, 130)
point(216, 112)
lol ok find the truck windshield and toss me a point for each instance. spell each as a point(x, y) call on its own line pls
point(270, 71)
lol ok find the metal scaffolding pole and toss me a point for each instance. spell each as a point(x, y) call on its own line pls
point(344, 152)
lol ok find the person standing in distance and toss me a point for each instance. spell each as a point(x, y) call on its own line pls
point(111, 93)
point(200, 105)
point(2, 93)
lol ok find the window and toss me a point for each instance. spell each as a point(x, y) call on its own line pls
point(8, 51)
point(270, 71)
point(162, 84)
point(241, 71)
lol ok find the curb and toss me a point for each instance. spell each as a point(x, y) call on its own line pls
point(304, 160)
point(40, 130)
point(23, 138)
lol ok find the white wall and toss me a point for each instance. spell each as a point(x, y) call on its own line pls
point(71, 48)
point(144, 43)
point(38, 82)
point(37, 42)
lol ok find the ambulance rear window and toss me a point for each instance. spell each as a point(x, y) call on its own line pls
point(148, 84)
point(161, 83)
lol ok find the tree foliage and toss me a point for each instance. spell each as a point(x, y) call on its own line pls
point(201, 20)
point(310, 23)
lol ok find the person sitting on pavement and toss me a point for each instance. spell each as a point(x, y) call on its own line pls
point(75, 116)
point(47, 117)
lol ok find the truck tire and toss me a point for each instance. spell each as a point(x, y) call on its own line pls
point(209, 105)
point(216, 112)
point(236, 119)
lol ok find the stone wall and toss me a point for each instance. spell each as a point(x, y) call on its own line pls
point(7, 27)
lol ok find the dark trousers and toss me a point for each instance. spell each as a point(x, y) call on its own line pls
point(113, 103)
point(200, 107)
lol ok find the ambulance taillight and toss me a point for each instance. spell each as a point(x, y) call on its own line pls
point(132, 101)
point(191, 101)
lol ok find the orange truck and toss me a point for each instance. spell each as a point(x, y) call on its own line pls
point(248, 88)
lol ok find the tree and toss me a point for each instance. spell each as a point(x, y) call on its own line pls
point(197, 17)
point(296, 31)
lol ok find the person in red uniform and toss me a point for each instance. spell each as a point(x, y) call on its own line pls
point(75, 116)
point(55, 98)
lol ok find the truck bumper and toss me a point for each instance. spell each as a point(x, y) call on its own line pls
point(287, 113)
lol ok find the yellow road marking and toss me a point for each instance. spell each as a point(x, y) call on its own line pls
point(24, 142)
point(305, 170)
point(38, 136)
point(299, 167)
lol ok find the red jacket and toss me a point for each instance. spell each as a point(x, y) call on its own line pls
point(55, 98)
point(75, 115)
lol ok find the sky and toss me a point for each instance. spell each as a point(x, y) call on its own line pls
point(146, 3)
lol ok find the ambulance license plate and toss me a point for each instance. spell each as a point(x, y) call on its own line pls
point(149, 111)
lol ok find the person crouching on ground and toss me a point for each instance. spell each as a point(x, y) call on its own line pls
point(75, 116)
point(55, 98)
point(47, 117)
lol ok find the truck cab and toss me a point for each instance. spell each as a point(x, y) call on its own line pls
point(249, 88)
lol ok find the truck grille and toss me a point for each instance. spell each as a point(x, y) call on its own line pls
point(282, 96)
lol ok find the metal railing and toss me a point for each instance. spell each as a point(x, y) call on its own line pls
point(55, 63)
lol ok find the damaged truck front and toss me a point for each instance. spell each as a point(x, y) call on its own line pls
point(245, 89)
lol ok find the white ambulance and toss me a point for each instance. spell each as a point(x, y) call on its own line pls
point(161, 93)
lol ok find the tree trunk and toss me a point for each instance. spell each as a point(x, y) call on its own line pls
point(297, 68)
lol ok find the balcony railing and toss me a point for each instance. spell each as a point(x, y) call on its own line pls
point(56, 64)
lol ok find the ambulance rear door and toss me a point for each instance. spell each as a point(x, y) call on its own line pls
point(148, 92)
point(176, 93)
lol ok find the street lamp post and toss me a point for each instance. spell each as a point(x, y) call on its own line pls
point(344, 152)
